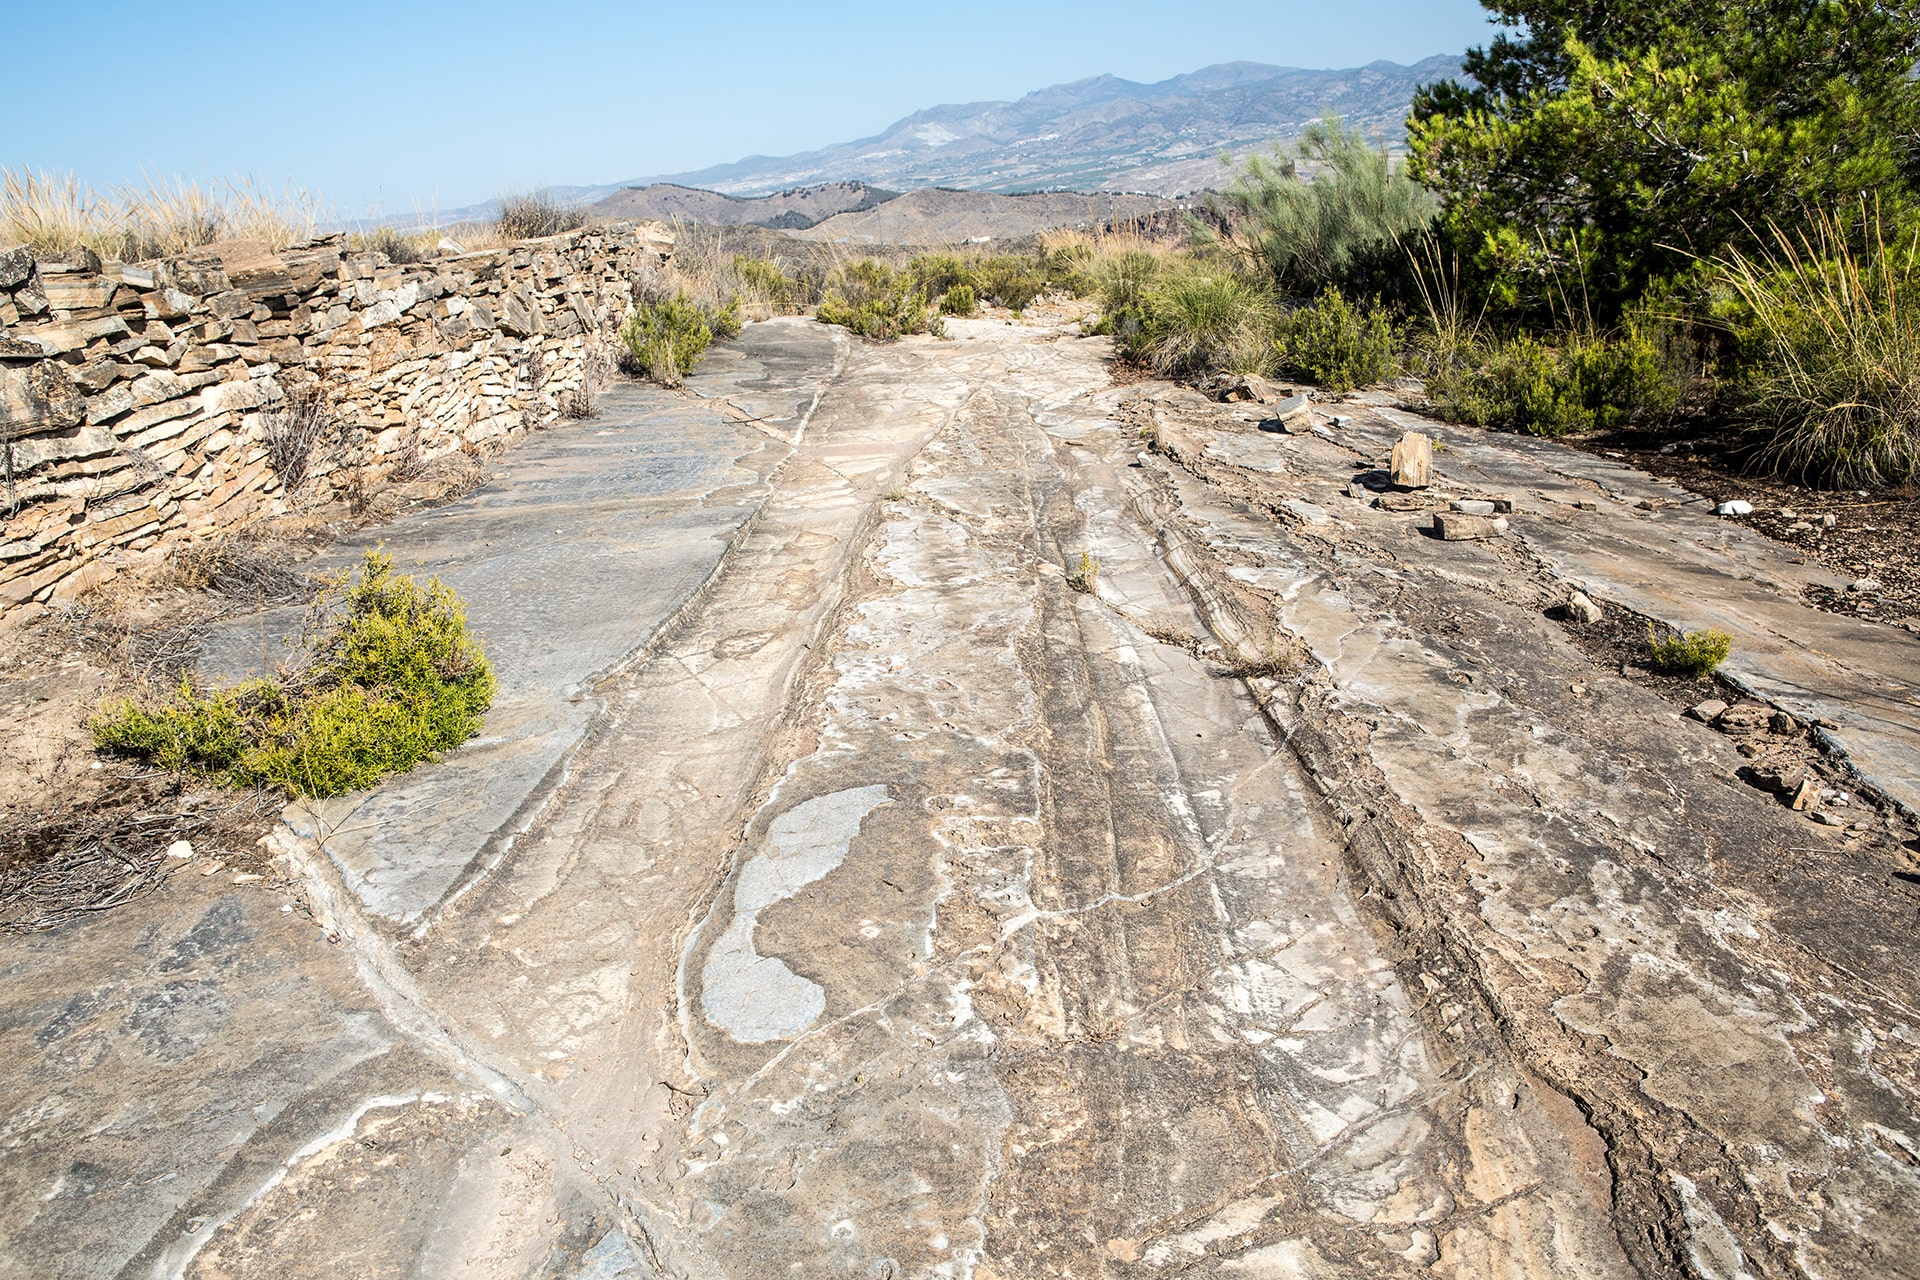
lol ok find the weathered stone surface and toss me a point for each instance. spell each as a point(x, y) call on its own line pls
point(1583, 610)
point(1708, 711)
point(37, 397)
point(76, 334)
point(1412, 463)
point(16, 266)
point(35, 452)
point(1452, 526)
point(77, 292)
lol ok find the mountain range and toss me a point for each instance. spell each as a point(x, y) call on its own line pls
point(1098, 134)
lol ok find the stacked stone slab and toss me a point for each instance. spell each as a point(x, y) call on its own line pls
point(137, 402)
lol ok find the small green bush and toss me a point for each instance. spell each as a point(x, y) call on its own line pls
point(1689, 653)
point(1586, 383)
point(875, 301)
point(1122, 283)
point(959, 301)
point(1336, 345)
point(666, 339)
point(396, 679)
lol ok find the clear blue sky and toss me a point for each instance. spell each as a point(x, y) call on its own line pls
point(395, 106)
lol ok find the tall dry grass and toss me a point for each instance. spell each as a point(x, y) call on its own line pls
point(1828, 321)
point(56, 213)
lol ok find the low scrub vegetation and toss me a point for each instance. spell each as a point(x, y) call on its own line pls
point(393, 678)
point(1334, 344)
point(879, 302)
point(1689, 653)
point(665, 338)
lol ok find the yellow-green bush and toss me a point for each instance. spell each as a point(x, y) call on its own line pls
point(1334, 344)
point(1584, 383)
point(1689, 653)
point(875, 301)
point(667, 338)
point(396, 679)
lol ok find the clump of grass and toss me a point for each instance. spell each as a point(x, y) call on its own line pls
point(534, 214)
point(1195, 319)
point(1336, 345)
point(665, 339)
point(55, 214)
point(401, 247)
point(1688, 653)
point(1828, 325)
point(1277, 659)
point(1087, 577)
point(394, 681)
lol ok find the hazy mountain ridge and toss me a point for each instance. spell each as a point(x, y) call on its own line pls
point(1101, 133)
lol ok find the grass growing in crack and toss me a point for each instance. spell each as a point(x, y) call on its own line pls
point(897, 494)
point(394, 681)
point(1688, 653)
point(1277, 659)
point(1087, 577)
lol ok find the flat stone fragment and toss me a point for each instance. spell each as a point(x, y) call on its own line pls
point(1412, 463)
point(1707, 712)
point(1455, 527)
point(1473, 506)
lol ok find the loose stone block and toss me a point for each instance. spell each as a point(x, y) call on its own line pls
point(1412, 463)
point(1452, 526)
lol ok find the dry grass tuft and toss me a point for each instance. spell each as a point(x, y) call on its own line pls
point(55, 214)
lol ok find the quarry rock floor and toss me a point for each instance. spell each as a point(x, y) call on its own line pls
point(852, 881)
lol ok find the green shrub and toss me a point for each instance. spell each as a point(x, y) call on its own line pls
point(666, 339)
point(1689, 653)
point(1071, 267)
point(1009, 281)
point(769, 282)
point(1336, 345)
point(1309, 234)
point(1586, 383)
point(1828, 367)
point(1195, 321)
point(396, 679)
point(959, 301)
point(875, 301)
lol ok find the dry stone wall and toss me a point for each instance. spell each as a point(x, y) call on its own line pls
point(144, 405)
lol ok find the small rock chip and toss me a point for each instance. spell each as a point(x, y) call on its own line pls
point(1452, 526)
point(1586, 504)
point(1829, 820)
point(1707, 712)
point(246, 877)
point(1295, 415)
point(1473, 507)
point(180, 849)
point(1781, 722)
point(1737, 507)
point(1358, 490)
point(1864, 585)
point(1829, 520)
point(1799, 526)
point(1581, 609)
point(1804, 795)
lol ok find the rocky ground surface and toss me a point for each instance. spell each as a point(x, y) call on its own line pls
point(952, 815)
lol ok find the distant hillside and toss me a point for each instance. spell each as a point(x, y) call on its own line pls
point(785, 210)
point(1098, 134)
point(937, 217)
